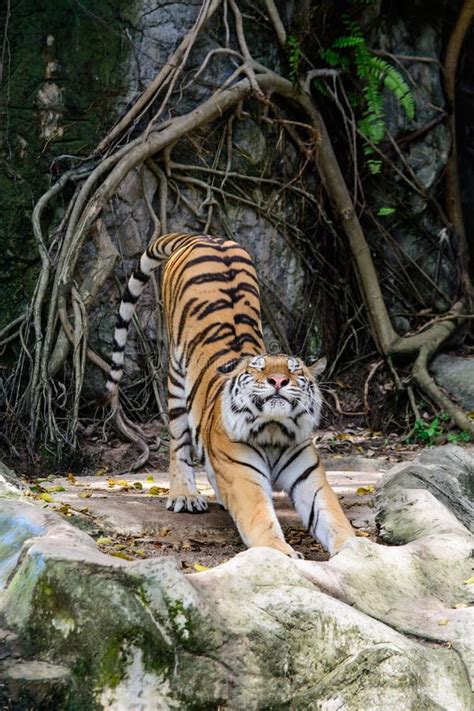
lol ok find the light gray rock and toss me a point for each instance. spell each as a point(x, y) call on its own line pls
point(447, 472)
point(10, 485)
point(456, 375)
point(260, 631)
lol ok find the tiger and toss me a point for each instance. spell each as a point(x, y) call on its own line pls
point(246, 415)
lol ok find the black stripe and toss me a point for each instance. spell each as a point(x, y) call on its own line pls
point(117, 347)
point(141, 276)
point(247, 320)
point(316, 522)
point(207, 278)
point(174, 381)
point(233, 292)
point(176, 412)
point(294, 456)
point(302, 477)
point(211, 308)
point(312, 509)
point(150, 255)
point(128, 297)
point(184, 316)
point(244, 464)
point(227, 262)
point(113, 379)
point(198, 338)
point(121, 323)
point(238, 343)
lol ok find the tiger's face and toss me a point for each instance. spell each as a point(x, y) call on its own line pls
point(272, 400)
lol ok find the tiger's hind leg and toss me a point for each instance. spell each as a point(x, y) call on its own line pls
point(302, 475)
point(183, 494)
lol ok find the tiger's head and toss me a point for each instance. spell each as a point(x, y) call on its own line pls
point(272, 400)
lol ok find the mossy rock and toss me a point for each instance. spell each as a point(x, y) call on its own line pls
point(64, 80)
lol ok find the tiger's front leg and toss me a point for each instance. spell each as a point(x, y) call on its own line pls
point(301, 474)
point(243, 480)
point(184, 496)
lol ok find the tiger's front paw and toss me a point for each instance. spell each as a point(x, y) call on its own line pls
point(186, 504)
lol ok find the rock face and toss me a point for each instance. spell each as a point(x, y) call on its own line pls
point(376, 627)
point(419, 243)
point(456, 375)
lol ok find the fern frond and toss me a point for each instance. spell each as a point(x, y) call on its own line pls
point(348, 41)
point(331, 57)
point(393, 81)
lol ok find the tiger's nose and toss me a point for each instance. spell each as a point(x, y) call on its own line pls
point(278, 381)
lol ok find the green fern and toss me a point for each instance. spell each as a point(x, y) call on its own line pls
point(294, 56)
point(351, 50)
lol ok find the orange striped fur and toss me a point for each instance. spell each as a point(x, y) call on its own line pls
point(246, 415)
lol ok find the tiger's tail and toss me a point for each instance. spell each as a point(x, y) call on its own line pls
point(158, 251)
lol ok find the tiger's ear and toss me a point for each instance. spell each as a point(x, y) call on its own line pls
point(316, 369)
point(229, 366)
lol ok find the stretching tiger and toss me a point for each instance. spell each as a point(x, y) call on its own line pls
point(247, 416)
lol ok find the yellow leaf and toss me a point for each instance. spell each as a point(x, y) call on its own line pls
point(460, 605)
point(137, 485)
point(344, 436)
point(104, 541)
point(139, 551)
point(119, 554)
point(150, 478)
point(364, 490)
point(199, 568)
point(71, 478)
point(46, 497)
point(58, 487)
point(444, 621)
point(157, 490)
point(101, 472)
point(85, 494)
point(122, 482)
point(362, 534)
point(469, 581)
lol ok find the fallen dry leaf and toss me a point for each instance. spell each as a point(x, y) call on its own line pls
point(158, 490)
point(104, 541)
point(364, 490)
point(199, 568)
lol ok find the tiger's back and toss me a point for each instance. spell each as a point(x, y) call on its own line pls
point(212, 306)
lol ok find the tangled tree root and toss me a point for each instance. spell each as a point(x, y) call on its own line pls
point(54, 329)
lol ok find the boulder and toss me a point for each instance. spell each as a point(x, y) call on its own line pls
point(456, 375)
point(375, 627)
point(9, 483)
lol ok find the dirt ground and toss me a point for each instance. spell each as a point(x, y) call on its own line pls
point(126, 512)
